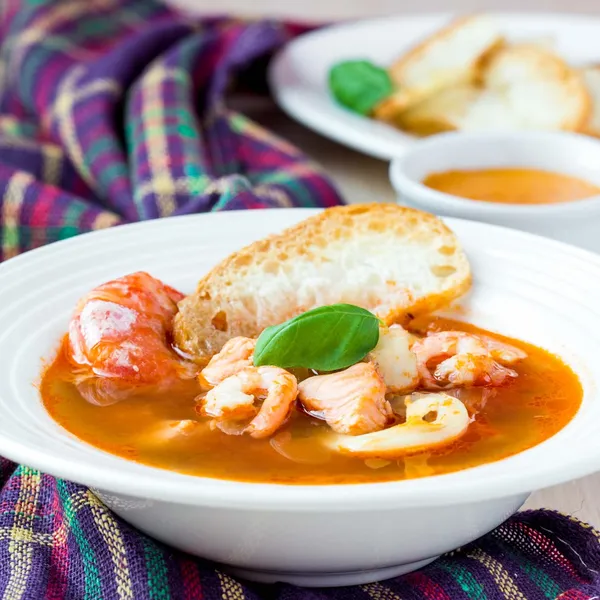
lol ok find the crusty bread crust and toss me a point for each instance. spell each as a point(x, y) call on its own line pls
point(441, 112)
point(389, 109)
point(398, 69)
point(591, 76)
point(508, 96)
point(468, 77)
point(408, 94)
point(545, 66)
point(393, 260)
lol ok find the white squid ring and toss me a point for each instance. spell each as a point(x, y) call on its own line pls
point(451, 422)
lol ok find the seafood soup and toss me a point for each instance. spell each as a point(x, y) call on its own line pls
point(353, 384)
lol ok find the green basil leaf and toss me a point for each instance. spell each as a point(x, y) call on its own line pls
point(327, 338)
point(359, 85)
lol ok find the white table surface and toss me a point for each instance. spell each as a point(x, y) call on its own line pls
point(362, 179)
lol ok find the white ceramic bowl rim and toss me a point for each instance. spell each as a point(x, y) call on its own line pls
point(413, 188)
point(110, 473)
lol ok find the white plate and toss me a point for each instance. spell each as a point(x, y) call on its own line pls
point(298, 74)
point(529, 287)
point(525, 286)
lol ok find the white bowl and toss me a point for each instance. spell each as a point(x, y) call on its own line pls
point(529, 287)
point(567, 153)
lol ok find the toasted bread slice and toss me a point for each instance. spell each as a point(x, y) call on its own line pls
point(591, 76)
point(522, 87)
point(535, 89)
point(545, 42)
point(444, 111)
point(392, 260)
point(451, 56)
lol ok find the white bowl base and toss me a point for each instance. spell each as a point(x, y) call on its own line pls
point(328, 579)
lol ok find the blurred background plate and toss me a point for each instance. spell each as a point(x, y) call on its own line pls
point(298, 74)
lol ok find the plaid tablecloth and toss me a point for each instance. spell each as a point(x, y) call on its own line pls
point(113, 111)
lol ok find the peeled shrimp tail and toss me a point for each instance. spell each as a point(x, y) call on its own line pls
point(235, 355)
point(234, 399)
point(282, 390)
point(465, 370)
point(464, 359)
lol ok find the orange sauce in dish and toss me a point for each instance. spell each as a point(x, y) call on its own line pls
point(512, 186)
point(507, 420)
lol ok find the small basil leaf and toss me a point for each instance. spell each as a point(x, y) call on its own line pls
point(327, 338)
point(359, 85)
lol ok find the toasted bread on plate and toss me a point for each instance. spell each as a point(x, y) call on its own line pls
point(392, 260)
point(521, 87)
point(444, 111)
point(448, 57)
point(540, 90)
point(591, 76)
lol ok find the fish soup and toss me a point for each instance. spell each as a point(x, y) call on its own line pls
point(165, 429)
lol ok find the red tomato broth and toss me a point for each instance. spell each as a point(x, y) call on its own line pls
point(529, 410)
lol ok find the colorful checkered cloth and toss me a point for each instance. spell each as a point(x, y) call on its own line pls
point(113, 111)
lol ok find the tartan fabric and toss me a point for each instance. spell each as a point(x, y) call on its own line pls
point(113, 111)
point(58, 541)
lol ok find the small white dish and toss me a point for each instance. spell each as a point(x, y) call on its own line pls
point(576, 222)
point(525, 286)
point(299, 73)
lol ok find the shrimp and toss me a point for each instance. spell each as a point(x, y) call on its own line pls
point(467, 360)
point(351, 401)
point(235, 355)
point(416, 434)
point(396, 362)
point(234, 399)
point(503, 353)
point(119, 340)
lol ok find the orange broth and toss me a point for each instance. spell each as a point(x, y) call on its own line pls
point(512, 186)
point(529, 410)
